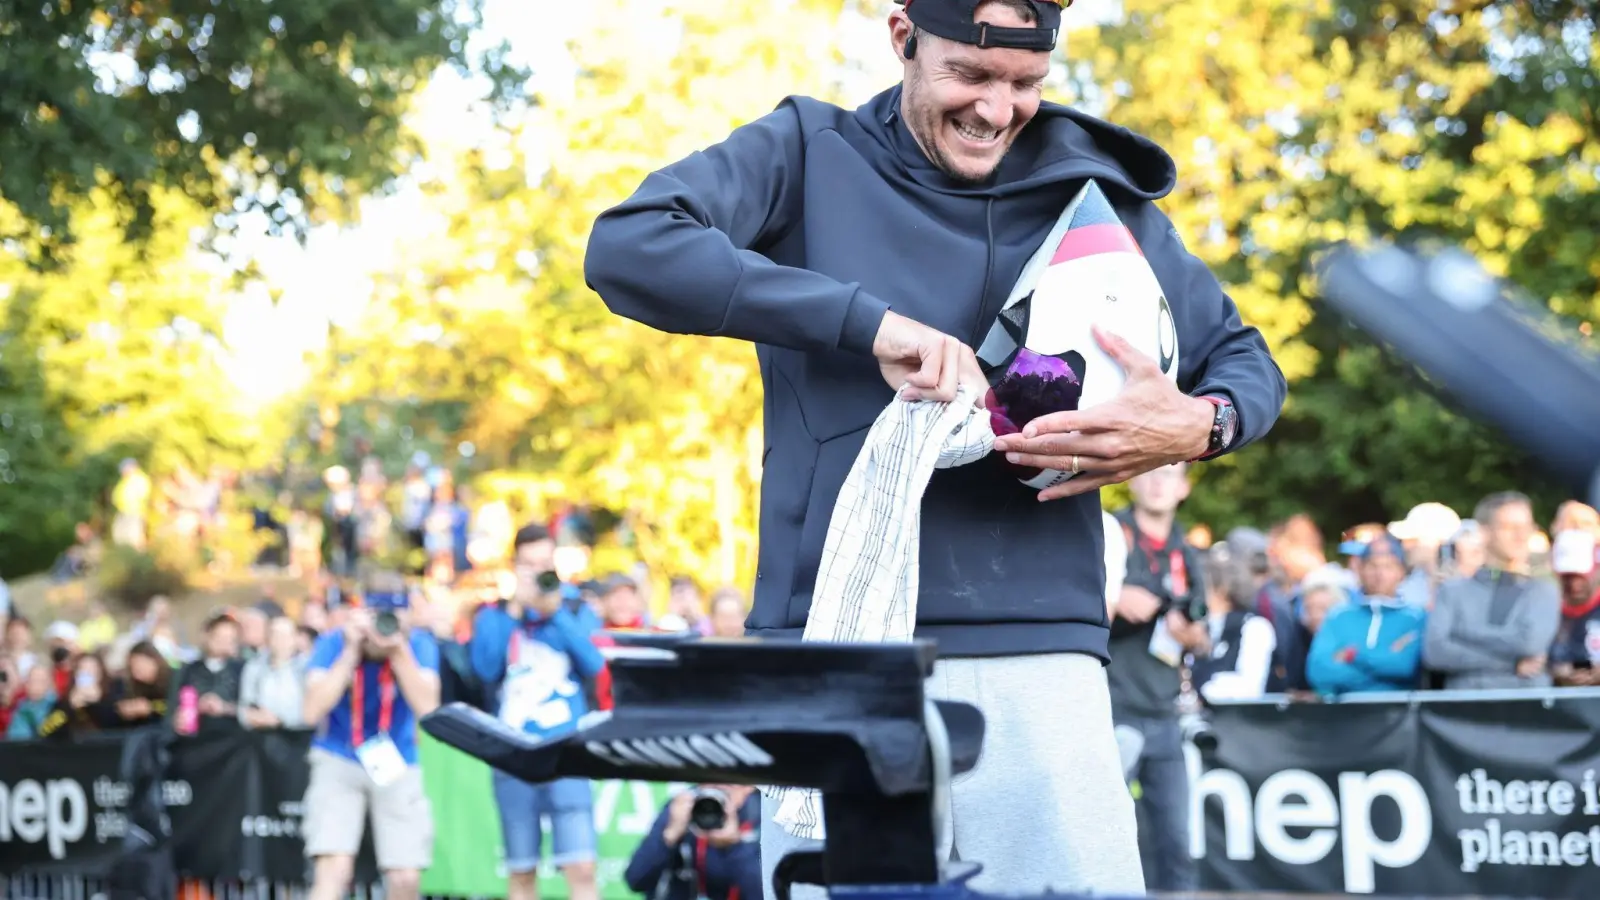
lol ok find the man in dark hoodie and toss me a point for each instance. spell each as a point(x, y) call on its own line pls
point(864, 250)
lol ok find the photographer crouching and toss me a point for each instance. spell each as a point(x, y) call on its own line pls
point(705, 845)
point(366, 686)
point(1159, 620)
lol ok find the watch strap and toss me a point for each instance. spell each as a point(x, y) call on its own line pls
point(1224, 426)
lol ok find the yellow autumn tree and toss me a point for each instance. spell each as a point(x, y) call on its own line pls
point(115, 350)
point(561, 399)
point(1299, 122)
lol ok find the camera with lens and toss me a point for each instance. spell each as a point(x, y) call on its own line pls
point(548, 582)
point(386, 623)
point(1196, 729)
point(709, 812)
point(386, 607)
point(1184, 592)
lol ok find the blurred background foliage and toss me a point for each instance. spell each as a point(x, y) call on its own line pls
point(135, 149)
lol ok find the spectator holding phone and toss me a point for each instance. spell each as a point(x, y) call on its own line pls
point(86, 707)
point(532, 654)
point(367, 684)
point(705, 845)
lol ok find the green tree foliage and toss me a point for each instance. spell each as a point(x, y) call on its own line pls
point(1298, 122)
point(291, 107)
point(491, 311)
point(113, 352)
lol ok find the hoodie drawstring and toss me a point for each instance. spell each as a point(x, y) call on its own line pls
point(1377, 623)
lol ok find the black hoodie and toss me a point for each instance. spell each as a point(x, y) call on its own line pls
point(800, 230)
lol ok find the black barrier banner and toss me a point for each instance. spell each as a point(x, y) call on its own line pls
point(1436, 798)
point(234, 801)
point(61, 806)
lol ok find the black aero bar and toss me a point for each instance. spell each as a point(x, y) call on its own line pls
point(847, 719)
point(1497, 356)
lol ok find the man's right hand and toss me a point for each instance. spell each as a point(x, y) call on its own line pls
point(677, 818)
point(356, 629)
point(1137, 605)
point(934, 364)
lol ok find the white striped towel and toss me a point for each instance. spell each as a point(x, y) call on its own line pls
point(866, 590)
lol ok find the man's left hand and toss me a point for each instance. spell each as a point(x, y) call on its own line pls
point(1149, 424)
point(387, 646)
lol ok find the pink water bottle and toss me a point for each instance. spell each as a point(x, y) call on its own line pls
point(188, 710)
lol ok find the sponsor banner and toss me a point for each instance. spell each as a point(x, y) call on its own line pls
point(1441, 797)
point(234, 803)
point(64, 807)
point(1435, 798)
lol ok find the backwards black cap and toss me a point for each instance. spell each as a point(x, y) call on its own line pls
point(952, 20)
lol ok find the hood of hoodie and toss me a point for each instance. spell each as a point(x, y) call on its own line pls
point(1058, 144)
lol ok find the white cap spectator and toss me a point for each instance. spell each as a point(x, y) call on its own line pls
point(1432, 523)
point(1331, 575)
point(672, 622)
point(1573, 553)
point(65, 632)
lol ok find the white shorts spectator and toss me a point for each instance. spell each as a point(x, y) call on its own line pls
point(336, 804)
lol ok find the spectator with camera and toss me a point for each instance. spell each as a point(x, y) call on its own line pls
point(1160, 619)
point(532, 653)
point(705, 845)
point(1373, 642)
point(367, 684)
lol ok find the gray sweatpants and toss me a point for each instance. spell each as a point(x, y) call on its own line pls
point(1046, 807)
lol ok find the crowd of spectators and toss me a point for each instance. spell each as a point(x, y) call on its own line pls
point(380, 639)
point(1430, 601)
point(416, 599)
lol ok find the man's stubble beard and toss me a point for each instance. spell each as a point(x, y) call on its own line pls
point(925, 122)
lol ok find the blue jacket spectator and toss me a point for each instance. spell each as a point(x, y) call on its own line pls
point(532, 653)
point(554, 652)
point(1374, 642)
point(334, 732)
point(675, 863)
point(366, 686)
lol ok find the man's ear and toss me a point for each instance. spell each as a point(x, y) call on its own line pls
point(900, 32)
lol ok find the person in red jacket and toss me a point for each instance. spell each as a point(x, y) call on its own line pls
point(621, 611)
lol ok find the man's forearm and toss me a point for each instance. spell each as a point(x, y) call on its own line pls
point(323, 693)
point(419, 686)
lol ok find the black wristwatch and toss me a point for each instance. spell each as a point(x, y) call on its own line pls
point(1224, 426)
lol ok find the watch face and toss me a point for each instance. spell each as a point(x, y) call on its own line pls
point(1227, 424)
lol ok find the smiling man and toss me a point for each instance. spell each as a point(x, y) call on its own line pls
point(869, 249)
